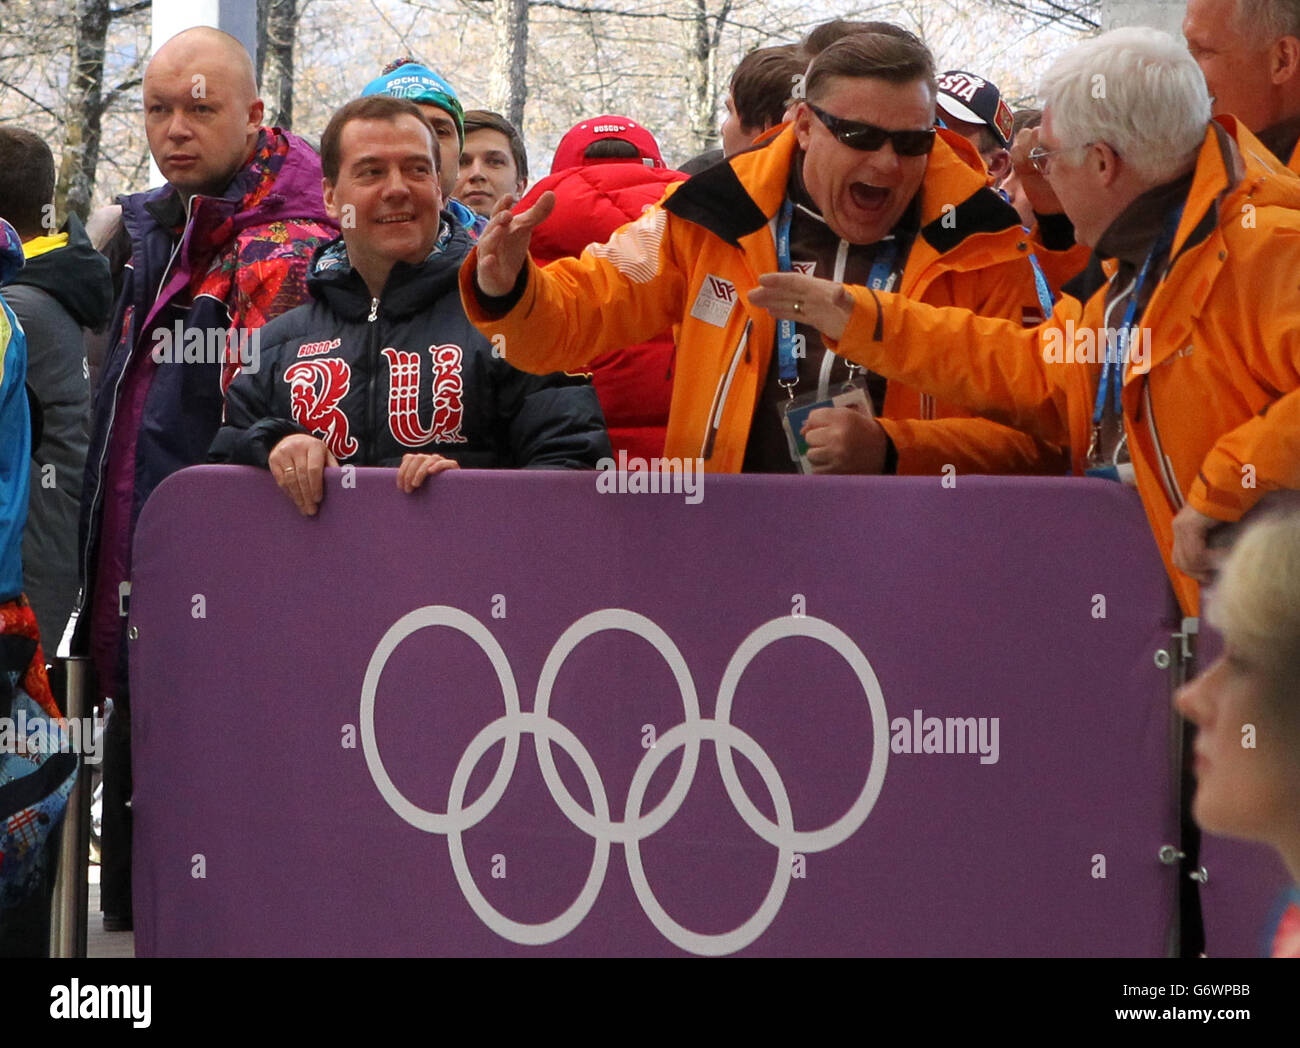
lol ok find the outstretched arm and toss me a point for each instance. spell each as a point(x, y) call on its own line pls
point(996, 368)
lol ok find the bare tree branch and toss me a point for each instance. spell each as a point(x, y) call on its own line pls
point(34, 101)
point(130, 9)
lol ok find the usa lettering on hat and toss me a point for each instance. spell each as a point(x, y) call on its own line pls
point(970, 98)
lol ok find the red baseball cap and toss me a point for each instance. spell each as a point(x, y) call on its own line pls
point(576, 140)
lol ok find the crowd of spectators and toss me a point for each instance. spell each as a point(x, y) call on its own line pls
point(881, 271)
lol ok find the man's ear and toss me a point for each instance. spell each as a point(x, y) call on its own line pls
point(1284, 59)
point(255, 113)
point(327, 191)
point(1108, 164)
point(999, 164)
point(803, 119)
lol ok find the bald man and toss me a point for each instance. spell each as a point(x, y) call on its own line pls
point(218, 251)
point(201, 110)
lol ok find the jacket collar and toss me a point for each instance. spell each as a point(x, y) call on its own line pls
point(69, 269)
point(1131, 235)
point(409, 288)
point(1281, 138)
point(281, 181)
point(1233, 169)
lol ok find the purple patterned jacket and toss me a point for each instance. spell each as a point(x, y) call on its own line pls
point(197, 277)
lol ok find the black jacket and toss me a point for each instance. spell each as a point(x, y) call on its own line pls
point(403, 374)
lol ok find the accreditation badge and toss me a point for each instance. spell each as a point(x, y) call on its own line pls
point(795, 412)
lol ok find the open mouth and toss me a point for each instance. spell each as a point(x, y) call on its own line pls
point(868, 197)
point(393, 219)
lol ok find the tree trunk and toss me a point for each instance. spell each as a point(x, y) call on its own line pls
point(509, 88)
point(84, 112)
point(701, 87)
point(277, 31)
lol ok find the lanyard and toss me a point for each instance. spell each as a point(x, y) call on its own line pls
point(1112, 370)
point(1041, 286)
point(879, 278)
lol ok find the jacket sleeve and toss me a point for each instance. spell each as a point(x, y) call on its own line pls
point(970, 445)
point(1263, 453)
point(993, 367)
point(549, 421)
point(1246, 463)
point(978, 445)
point(614, 295)
point(251, 430)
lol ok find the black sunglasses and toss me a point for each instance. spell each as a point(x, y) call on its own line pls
point(868, 137)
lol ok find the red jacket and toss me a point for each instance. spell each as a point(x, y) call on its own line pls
point(634, 384)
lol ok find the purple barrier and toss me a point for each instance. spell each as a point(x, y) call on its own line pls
point(510, 714)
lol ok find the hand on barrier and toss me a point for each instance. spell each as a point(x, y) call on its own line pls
point(1191, 555)
point(823, 304)
point(844, 440)
point(503, 245)
point(414, 468)
point(298, 465)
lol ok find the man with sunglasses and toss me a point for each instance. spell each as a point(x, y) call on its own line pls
point(1173, 361)
point(859, 187)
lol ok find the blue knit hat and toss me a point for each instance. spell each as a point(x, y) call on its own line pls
point(408, 79)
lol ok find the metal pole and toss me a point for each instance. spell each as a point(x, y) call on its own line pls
point(68, 917)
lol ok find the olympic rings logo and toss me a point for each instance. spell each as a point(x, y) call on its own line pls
point(635, 825)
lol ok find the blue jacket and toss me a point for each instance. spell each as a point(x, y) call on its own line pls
point(15, 425)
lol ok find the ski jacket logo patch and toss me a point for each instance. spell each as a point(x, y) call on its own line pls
point(315, 389)
point(404, 397)
point(715, 300)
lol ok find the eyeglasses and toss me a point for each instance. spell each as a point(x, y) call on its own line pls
point(1038, 155)
point(868, 137)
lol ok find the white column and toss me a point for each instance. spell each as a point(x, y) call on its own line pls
point(1160, 14)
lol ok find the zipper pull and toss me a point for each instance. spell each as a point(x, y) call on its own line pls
point(374, 310)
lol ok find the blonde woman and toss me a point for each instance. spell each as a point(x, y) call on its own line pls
point(1246, 706)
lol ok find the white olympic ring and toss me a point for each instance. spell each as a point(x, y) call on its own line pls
point(635, 826)
point(437, 615)
point(630, 621)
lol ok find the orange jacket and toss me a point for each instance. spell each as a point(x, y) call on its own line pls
point(693, 260)
point(1212, 414)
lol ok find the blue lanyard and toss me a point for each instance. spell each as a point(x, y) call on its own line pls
point(1041, 286)
point(1112, 370)
point(789, 365)
point(878, 279)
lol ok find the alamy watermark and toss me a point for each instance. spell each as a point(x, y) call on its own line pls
point(921, 734)
point(21, 734)
point(656, 476)
point(180, 344)
point(1088, 345)
point(72, 1000)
